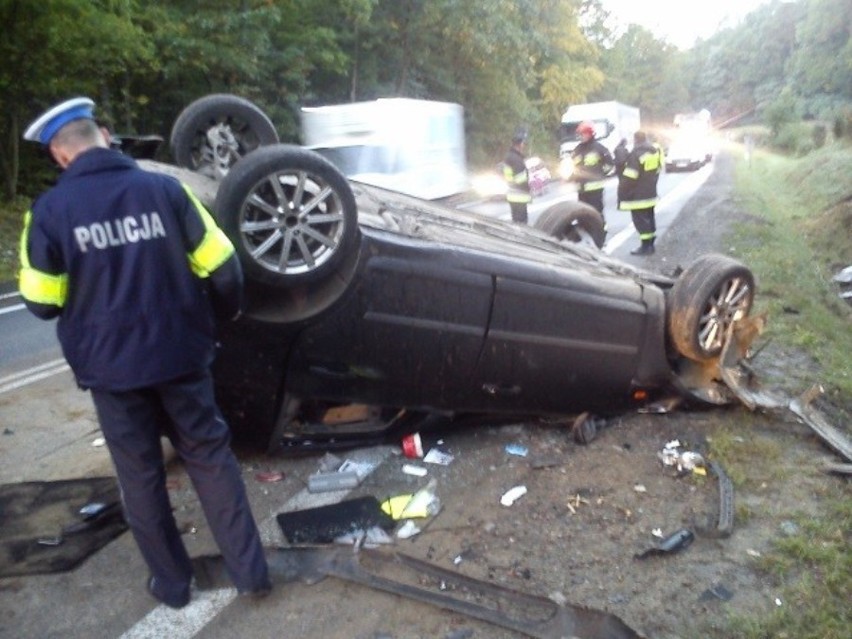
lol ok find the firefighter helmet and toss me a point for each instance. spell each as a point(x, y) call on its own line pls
point(586, 128)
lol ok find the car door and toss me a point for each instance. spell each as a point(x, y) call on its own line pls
point(561, 338)
point(408, 334)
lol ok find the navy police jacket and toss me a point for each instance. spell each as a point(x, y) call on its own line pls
point(134, 267)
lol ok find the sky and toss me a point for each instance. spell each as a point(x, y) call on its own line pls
point(681, 22)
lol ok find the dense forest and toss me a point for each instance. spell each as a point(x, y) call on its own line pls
point(509, 63)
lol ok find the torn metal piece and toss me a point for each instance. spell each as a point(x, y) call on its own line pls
point(406, 576)
point(734, 369)
point(840, 469)
point(803, 407)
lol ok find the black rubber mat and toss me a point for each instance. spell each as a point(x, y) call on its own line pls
point(42, 529)
point(324, 524)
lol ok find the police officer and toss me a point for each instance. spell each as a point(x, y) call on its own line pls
point(136, 270)
point(517, 178)
point(592, 164)
point(637, 190)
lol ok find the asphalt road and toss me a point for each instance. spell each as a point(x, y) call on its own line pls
point(49, 432)
point(674, 190)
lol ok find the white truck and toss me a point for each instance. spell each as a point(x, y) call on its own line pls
point(410, 146)
point(612, 120)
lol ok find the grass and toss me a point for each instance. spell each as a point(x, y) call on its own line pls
point(798, 236)
point(802, 238)
point(813, 568)
point(11, 222)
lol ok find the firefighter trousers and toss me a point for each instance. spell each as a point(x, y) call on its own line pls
point(645, 223)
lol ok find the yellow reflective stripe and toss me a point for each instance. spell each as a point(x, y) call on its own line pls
point(638, 204)
point(215, 247)
point(594, 186)
point(38, 286)
point(630, 173)
point(650, 161)
point(647, 236)
point(518, 197)
point(43, 288)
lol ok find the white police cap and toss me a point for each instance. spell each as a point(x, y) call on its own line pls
point(48, 123)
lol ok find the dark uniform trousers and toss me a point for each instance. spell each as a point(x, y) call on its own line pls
point(519, 212)
point(645, 222)
point(593, 198)
point(185, 411)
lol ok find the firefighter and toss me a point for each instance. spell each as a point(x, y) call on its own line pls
point(592, 165)
point(136, 270)
point(637, 190)
point(517, 178)
point(619, 155)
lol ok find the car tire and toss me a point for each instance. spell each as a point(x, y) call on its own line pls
point(573, 221)
point(705, 300)
point(214, 132)
point(291, 215)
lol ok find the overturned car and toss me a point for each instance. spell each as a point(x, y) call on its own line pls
point(368, 310)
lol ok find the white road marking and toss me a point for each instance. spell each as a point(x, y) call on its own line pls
point(11, 309)
point(163, 621)
point(31, 375)
point(185, 623)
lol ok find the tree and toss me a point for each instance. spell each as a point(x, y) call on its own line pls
point(821, 66)
point(55, 49)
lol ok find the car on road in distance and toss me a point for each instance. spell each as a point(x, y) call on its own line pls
point(687, 154)
point(368, 308)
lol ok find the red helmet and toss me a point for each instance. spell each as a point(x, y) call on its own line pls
point(586, 128)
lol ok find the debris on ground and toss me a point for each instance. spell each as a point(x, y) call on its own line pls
point(323, 524)
point(512, 495)
point(673, 454)
point(418, 580)
point(675, 542)
point(269, 477)
point(803, 407)
point(424, 503)
point(517, 450)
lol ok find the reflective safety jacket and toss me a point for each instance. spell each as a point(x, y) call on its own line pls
point(517, 176)
point(134, 267)
point(637, 184)
point(592, 164)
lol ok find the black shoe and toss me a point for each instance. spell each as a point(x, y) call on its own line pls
point(257, 593)
point(172, 602)
point(646, 248)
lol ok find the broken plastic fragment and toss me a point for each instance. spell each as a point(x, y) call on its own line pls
point(417, 471)
point(407, 530)
point(512, 495)
point(517, 449)
point(844, 276)
point(269, 477)
point(370, 538)
point(673, 543)
point(324, 482)
point(437, 456)
point(423, 503)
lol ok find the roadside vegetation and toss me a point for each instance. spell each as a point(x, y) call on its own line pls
point(796, 237)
